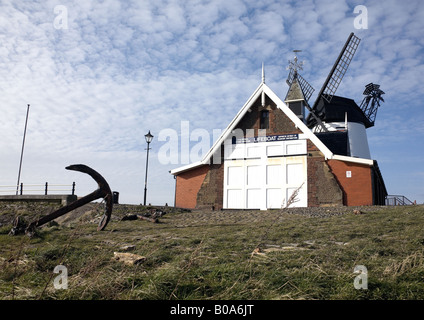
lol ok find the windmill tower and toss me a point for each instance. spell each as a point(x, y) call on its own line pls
point(338, 121)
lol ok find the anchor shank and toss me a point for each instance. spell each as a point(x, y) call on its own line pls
point(60, 212)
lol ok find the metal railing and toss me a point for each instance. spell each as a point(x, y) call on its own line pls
point(39, 188)
point(396, 200)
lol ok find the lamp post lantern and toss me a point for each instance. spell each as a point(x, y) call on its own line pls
point(149, 138)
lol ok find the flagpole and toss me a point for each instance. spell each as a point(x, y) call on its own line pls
point(22, 152)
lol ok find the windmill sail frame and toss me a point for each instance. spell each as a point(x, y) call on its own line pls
point(339, 69)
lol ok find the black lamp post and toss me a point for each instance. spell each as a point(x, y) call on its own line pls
point(149, 138)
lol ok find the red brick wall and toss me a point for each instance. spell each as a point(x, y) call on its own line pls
point(323, 187)
point(188, 185)
point(357, 190)
point(211, 193)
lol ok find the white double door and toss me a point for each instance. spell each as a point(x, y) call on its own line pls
point(265, 182)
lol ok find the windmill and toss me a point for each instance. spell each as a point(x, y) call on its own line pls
point(372, 94)
point(330, 85)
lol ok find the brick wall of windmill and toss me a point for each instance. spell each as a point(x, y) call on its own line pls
point(357, 185)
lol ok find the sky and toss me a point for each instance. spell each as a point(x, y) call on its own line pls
point(98, 75)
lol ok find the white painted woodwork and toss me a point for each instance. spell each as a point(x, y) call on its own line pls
point(264, 175)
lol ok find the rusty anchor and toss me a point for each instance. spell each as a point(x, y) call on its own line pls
point(103, 191)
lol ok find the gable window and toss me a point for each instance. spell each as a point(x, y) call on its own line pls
point(264, 119)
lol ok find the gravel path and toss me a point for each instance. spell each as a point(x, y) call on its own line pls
point(179, 217)
point(203, 217)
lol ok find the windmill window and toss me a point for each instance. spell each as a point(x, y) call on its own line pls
point(264, 119)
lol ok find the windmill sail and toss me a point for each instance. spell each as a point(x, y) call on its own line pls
point(339, 69)
point(334, 79)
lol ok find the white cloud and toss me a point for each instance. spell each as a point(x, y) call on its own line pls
point(123, 68)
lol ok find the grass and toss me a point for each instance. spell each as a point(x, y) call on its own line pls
point(300, 258)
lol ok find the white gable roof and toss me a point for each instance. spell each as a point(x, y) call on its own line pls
point(289, 113)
